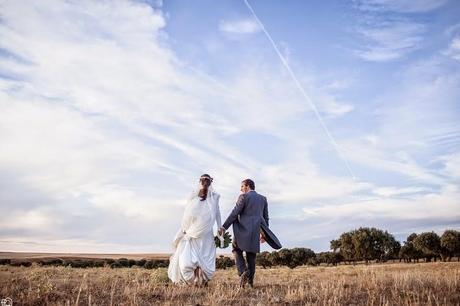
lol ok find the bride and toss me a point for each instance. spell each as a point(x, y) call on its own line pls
point(194, 257)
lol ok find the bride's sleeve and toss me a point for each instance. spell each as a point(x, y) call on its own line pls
point(218, 218)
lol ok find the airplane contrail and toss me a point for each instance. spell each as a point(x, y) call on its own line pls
point(299, 86)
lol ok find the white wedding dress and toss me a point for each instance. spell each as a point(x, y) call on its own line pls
point(194, 242)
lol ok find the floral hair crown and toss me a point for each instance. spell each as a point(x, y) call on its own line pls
point(206, 178)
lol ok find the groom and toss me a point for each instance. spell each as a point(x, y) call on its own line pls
point(248, 216)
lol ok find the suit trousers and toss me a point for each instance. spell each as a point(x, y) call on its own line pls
point(241, 264)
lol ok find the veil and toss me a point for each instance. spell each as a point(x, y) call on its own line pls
point(199, 216)
point(197, 222)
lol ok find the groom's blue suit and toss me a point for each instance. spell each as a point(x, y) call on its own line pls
point(249, 218)
point(249, 214)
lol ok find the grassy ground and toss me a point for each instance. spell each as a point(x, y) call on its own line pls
point(378, 284)
point(36, 256)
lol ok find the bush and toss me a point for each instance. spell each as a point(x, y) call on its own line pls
point(263, 259)
point(115, 265)
point(19, 263)
point(78, 263)
point(150, 264)
point(124, 262)
point(97, 263)
point(224, 262)
point(109, 261)
point(51, 262)
point(5, 261)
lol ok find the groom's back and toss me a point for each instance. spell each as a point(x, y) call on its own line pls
point(255, 205)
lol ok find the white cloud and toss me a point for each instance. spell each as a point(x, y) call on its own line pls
point(454, 48)
point(389, 41)
point(442, 205)
point(392, 191)
point(38, 220)
point(402, 6)
point(106, 124)
point(242, 26)
point(451, 165)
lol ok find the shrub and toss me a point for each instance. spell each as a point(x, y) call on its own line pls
point(224, 262)
point(20, 263)
point(51, 262)
point(5, 261)
point(263, 259)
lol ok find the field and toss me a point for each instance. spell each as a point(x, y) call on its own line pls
point(377, 284)
point(33, 256)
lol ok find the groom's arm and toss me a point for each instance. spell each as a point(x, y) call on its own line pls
point(235, 212)
point(266, 211)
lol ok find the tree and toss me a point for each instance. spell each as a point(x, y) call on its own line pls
point(366, 244)
point(329, 258)
point(450, 244)
point(408, 250)
point(390, 247)
point(347, 249)
point(301, 256)
point(335, 245)
point(363, 243)
point(429, 244)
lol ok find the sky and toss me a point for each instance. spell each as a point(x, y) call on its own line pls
point(111, 110)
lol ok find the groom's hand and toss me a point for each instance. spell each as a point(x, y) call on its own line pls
point(262, 238)
point(221, 231)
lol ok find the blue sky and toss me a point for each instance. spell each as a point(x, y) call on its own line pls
point(111, 110)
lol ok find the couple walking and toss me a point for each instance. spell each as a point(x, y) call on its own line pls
point(194, 257)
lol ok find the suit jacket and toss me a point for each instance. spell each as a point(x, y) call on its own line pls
point(249, 217)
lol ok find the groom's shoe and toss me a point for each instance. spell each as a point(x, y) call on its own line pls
point(244, 278)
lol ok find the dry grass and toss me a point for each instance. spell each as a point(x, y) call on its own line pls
point(380, 284)
point(32, 256)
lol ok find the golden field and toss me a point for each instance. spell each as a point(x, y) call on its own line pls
point(377, 284)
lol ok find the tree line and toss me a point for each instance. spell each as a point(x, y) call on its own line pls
point(370, 244)
point(362, 244)
point(89, 263)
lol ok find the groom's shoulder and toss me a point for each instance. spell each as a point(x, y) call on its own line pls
point(256, 195)
point(262, 197)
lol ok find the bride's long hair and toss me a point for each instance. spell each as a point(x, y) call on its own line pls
point(205, 181)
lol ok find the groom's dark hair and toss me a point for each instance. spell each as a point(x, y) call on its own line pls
point(250, 183)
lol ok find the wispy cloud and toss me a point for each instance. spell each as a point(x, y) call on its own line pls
point(387, 29)
point(402, 6)
point(104, 129)
point(454, 48)
point(242, 26)
point(389, 40)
